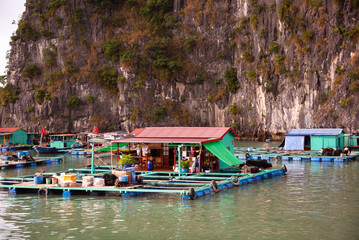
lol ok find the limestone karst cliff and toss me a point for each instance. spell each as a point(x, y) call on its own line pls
point(259, 66)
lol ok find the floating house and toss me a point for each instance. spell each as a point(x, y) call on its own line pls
point(13, 136)
point(314, 139)
point(165, 144)
point(63, 140)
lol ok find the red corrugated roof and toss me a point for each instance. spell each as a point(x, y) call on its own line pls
point(136, 131)
point(6, 130)
point(179, 135)
point(185, 132)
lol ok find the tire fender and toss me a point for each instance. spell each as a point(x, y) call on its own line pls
point(214, 185)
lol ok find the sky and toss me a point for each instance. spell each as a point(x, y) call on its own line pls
point(10, 10)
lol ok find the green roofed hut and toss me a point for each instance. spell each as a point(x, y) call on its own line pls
point(13, 136)
point(314, 139)
point(210, 147)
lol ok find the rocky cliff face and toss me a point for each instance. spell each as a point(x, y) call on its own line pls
point(259, 66)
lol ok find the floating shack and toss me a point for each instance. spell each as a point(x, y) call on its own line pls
point(13, 136)
point(314, 139)
point(58, 142)
point(162, 150)
point(211, 146)
point(307, 144)
point(63, 141)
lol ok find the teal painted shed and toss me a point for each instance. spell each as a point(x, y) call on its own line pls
point(314, 139)
point(13, 136)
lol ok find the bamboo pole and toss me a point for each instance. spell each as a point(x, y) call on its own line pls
point(199, 159)
point(111, 157)
point(41, 140)
point(93, 159)
point(118, 154)
point(179, 161)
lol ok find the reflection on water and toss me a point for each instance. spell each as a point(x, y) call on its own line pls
point(313, 201)
point(273, 144)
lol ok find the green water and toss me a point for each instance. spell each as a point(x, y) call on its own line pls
point(313, 201)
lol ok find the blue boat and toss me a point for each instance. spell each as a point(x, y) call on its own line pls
point(58, 143)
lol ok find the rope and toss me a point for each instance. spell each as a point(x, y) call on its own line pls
point(110, 167)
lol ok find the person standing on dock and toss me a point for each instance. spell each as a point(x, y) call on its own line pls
point(36, 150)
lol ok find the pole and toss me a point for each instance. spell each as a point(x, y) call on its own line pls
point(179, 161)
point(111, 157)
point(41, 140)
point(199, 159)
point(93, 159)
point(118, 154)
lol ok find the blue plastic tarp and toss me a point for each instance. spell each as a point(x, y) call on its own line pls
point(294, 143)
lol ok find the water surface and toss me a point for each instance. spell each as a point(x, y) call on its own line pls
point(313, 201)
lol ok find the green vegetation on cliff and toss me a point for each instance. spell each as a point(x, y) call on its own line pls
point(167, 62)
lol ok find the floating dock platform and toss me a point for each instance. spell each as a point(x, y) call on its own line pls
point(15, 148)
point(189, 186)
point(6, 164)
point(276, 154)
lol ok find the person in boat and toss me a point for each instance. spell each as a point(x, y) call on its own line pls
point(347, 151)
point(36, 149)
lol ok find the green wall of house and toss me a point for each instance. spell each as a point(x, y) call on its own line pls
point(17, 137)
point(319, 142)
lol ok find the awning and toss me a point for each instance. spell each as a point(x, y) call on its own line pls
point(6, 134)
point(223, 154)
point(114, 147)
point(97, 140)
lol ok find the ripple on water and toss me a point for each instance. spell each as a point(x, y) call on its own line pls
point(314, 201)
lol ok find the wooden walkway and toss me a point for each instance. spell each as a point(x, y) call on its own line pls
point(189, 186)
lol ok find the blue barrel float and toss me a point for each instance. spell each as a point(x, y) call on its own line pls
point(244, 181)
point(66, 194)
point(12, 192)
